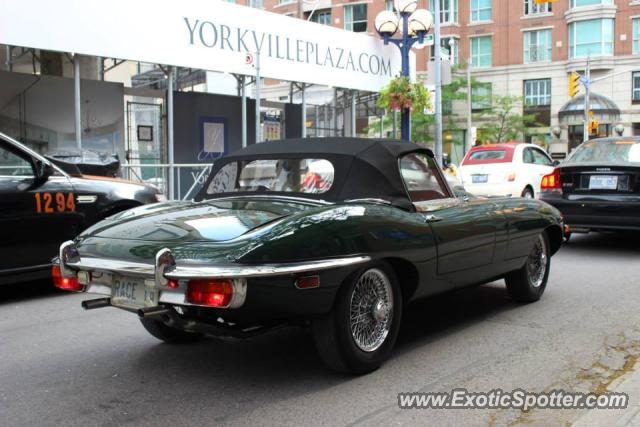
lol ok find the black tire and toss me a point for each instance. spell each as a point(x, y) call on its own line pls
point(527, 193)
point(333, 332)
point(168, 334)
point(566, 238)
point(528, 283)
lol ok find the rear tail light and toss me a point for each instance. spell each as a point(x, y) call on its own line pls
point(210, 292)
point(511, 177)
point(551, 182)
point(65, 283)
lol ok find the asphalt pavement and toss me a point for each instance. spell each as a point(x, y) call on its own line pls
point(61, 365)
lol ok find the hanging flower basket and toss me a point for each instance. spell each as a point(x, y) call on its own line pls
point(401, 94)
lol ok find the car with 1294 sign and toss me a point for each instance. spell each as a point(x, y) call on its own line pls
point(42, 206)
point(334, 234)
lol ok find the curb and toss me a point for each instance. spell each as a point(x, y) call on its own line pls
point(616, 417)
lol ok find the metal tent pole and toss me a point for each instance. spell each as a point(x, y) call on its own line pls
point(303, 132)
point(77, 100)
point(353, 113)
point(170, 88)
point(8, 62)
point(258, 130)
point(243, 95)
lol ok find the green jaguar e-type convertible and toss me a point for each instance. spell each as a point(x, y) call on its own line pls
point(337, 234)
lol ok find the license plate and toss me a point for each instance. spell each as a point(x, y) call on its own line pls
point(603, 182)
point(479, 179)
point(133, 292)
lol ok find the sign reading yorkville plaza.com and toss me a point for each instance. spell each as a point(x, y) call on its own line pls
point(209, 35)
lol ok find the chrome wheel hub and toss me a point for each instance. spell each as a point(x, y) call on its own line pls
point(537, 263)
point(371, 310)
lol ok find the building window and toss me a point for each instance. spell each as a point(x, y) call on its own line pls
point(388, 5)
point(258, 4)
point(481, 52)
point(537, 93)
point(322, 17)
point(532, 8)
point(355, 18)
point(285, 1)
point(449, 47)
point(537, 46)
point(581, 3)
point(481, 96)
point(592, 37)
point(636, 86)
point(480, 10)
point(448, 11)
point(636, 35)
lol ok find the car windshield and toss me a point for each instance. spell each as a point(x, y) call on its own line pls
point(620, 151)
point(288, 175)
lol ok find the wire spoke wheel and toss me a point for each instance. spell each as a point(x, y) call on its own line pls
point(537, 263)
point(371, 310)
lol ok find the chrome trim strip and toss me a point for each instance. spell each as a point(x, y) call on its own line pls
point(114, 266)
point(222, 272)
point(236, 271)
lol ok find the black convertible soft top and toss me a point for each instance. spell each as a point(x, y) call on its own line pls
point(363, 168)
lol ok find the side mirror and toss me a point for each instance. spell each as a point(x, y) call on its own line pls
point(556, 162)
point(43, 171)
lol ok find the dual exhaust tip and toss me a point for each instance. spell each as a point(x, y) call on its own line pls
point(143, 313)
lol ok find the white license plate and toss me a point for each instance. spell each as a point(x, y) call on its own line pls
point(479, 179)
point(603, 182)
point(132, 292)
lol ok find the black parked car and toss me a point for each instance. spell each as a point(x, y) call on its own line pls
point(598, 186)
point(41, 206)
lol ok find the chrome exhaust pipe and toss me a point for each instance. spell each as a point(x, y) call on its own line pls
point(148, 312)
point(91, 304)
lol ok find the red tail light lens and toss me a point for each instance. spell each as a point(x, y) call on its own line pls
point(551, 181)
point(210, 292)
point(64, 283)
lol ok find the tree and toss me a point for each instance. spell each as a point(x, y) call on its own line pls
point(502, 120)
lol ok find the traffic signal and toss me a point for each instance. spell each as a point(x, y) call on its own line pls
point(594, 127)
point(574, 84)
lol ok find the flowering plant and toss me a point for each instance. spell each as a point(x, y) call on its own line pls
point(401, 94)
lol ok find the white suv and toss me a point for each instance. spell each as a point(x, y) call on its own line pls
point(507, 170)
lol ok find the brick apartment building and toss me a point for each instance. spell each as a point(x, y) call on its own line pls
point(517, 47)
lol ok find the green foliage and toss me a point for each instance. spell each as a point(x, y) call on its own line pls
point(401, 94)
point(502, 120)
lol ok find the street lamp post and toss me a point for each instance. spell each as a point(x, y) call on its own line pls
point(413, 25)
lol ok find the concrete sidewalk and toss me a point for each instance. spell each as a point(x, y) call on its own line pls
point(617, 417)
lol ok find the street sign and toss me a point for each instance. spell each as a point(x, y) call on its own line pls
point(585, 81)
point(428, 40)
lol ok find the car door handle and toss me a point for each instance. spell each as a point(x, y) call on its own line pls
point(432, 218)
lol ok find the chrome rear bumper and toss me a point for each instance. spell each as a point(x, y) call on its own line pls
point(165, 269)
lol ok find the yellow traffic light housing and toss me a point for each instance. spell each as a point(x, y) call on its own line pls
point(594, 127)
point(574, 84)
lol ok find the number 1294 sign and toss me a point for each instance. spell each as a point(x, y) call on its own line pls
point(55, 202)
